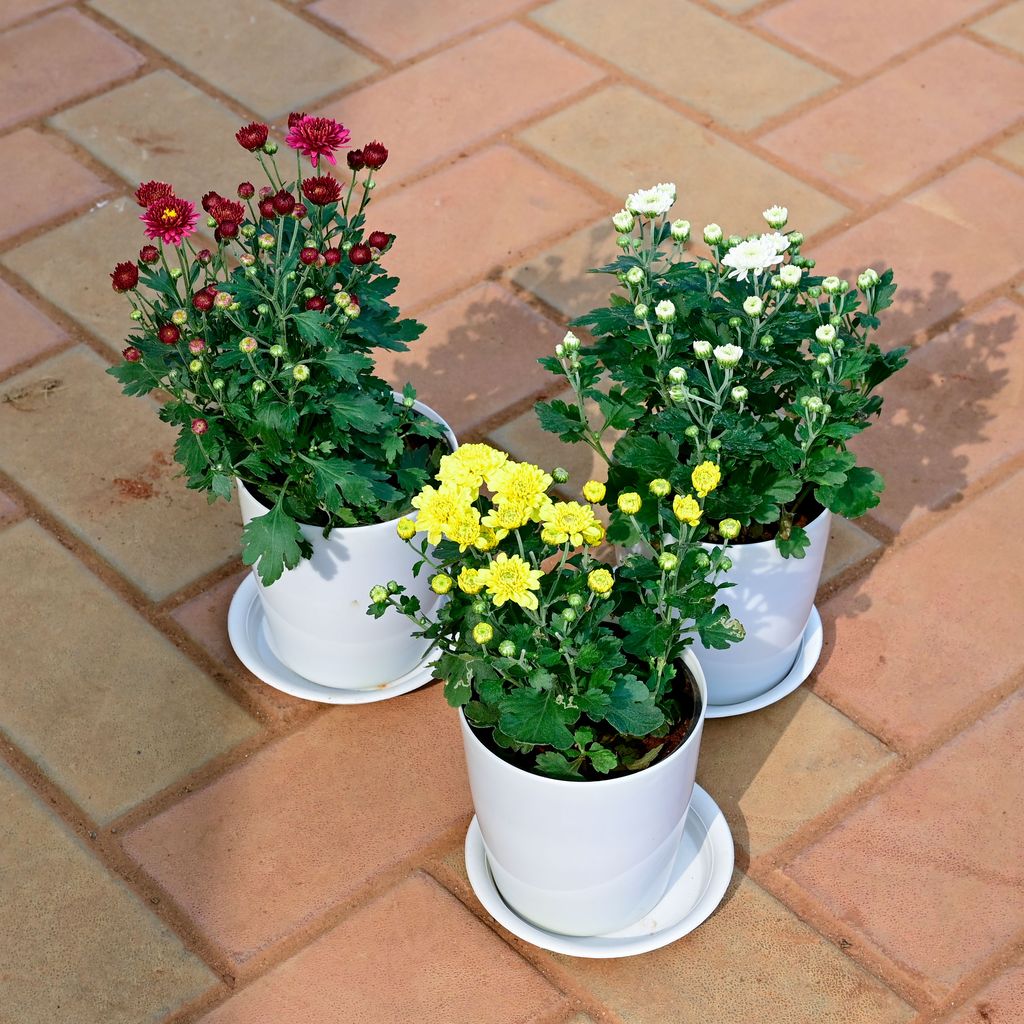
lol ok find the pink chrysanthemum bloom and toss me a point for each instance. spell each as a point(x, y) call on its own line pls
point(317, 137)
point(170, 219)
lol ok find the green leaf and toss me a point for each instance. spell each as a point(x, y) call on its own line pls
point(860, 490)
point(650, 455)
point(355, 483)
point(273, 543)
point(718, 630)
point(602, 759)
point(632, 709)
point(312, 325)
point(560, 418)
point(795, 545)
point(536, 717)
point(354, 410)
point(829, 467)
point(556, 766)
point(346, 366)
point(134, 377)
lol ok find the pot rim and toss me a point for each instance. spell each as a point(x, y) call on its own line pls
point(762, 543)
point(691, 662)
point(420, 407)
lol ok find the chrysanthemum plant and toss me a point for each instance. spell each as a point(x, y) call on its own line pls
point(744, 357)
point(569, 665)
point(264, 344)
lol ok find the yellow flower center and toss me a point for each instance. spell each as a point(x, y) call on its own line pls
point(170, 214)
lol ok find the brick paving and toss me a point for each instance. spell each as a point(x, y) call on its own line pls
point(180, 843)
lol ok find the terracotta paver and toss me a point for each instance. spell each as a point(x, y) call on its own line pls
point(774, 771)
point(848, 544)
point(104, 957)
point(398, 30)
point(205, 619)
point(309, 820)
point(770, 959)
point(445, 103)
point(55, 59)
point(70, 266)
point(950, 417)
point(16, 10)
point(621, 140)
point(479, 353)
point(160, 126)
point(42, 181)
point(1013, 149)
point(942, 838)
point(170, 718)
point(833, 30)
point(426, 944)
point(245, 41)
point(103, 464)
point(761, 81)
point(906, 677)
point(27, 332)
point(1005, 26)
point(868, 158)
point(10, 510)
point(972, 216)
point(1002, 1000)
point(460, 206)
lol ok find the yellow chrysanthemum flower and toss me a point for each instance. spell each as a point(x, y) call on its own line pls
point(469, 581)
point(687, 509)
point(483, 633)
point(470, 465)
point(440, 584)
point(705, 478)
point(464, 527)
point(504, 517)
point(660, 487)
point(629, 502)
point(511, 579)
point(405, 528)
point(600, 581)
point(572, 522)
point(487, 540)
point(520, 484)
point(729, 528)
point(594, 490)
point(437, 507)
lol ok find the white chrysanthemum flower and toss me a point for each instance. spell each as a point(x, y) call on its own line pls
point(652, 202)
point(665, 311)
point(702, 349)
point(826, 334)
point(727, 356)
point(832, 285)
point(868, 279)
point(753, 256)
point(776, 216)
point(779, 240)
point(680, 230)
point(623, 222)
point(570, 341)
point(712, 234)
point(739, 393)
point(753, 306)
point(790, 275)
point(634, 276)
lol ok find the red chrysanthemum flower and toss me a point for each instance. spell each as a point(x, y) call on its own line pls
point(170, 219)
point(125, 277)
point(226, 210)
point(378, 240)
point(131, 353)
point(150, 192)
point(354, 159)
point(322, 190)
point(246, 190)
point(204, 256)
point(252, 136)
point(316, 304)
point(295, 117)
point(149, 254)
point(332, 257)
point(209, 199)
point(317, 137)
point(202, 302)
point(300, 211)
point(375, 155)
point(308, 255)
point(168, 334)
point(200, 426)
point(284, 202)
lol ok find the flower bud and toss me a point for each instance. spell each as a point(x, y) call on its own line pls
point(200, 426)
point(594, 490)
point(728, 356)
point(393, 586)
point(560, 475)
point(569, 615)
point(640, 311)
point(714, 444)
point(222, 300)
point(826, 334)
point(662, 338)
point(729, 528)
point(705, 266)
point(665, 311)
point(796, 239)
point(667, 561)
point(265, 241)
point(575, 600)
point(622, 241)
point(790, 275)
point(300, 372)
point(175, 273)
point(259, 386)
point(276, 351)
point(659, 487)
point(753, 306)
point(570, 342)
point(634, 276)
point(832, 286)
point(507, 649)
point(767, 343)
point(824, 359)
point(378, 595)
point(814, 291)
point(352, 311)
point(712, 234)
point(677, 394)
point(775, 282)
point(734, 240)
point(270, 147)
point(677, 375)
point(136, 315)
point(248, 345)
point(680, 230)
point(809, 263)
point(483, 633)
point(776, 216)
point(196, 365)
point(629, 503)
point(217, 384)
point(867, 279)
point(692, 431)
point(440, 584)
point(702, 349)
point(405, 528)
point(702, 561)
point(739, 393)
point(813, 404)
point(623, 222)
point(725, 564)
point(734, 322)
point(560, 350)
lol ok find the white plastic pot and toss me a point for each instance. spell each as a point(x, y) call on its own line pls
point(316, 613)
point(583, 858)
point(773, 597)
